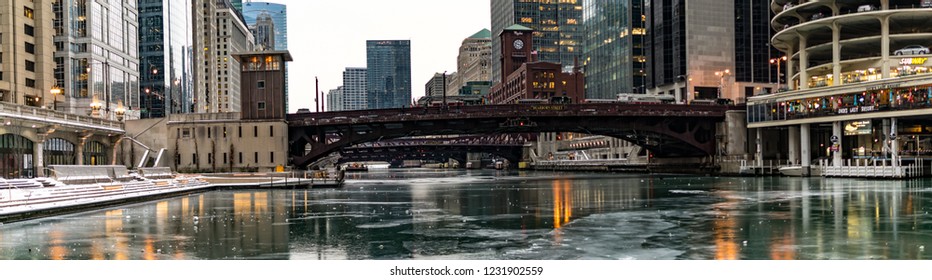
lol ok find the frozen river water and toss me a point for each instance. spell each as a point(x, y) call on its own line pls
point(431, 214)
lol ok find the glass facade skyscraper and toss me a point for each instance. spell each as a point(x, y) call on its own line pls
point(165, 66)
point(614, 55)
point(97, 55)
point(388, 79)
point(557, 29)
point(279, 14)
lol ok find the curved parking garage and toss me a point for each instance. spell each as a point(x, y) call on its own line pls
point(863, 66)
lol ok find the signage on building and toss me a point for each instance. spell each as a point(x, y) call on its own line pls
point(884, 86)
point(914, 61)
point(853, 128)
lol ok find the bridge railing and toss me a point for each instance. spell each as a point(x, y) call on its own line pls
point(11, 110)
point(509, 110)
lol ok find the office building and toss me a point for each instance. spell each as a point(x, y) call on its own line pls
point(474, 62)
point(264, 31)
point(26, 65)
point(692, 54)
point(278, 13)
point(335, 100)
point(614, 56)
point(219, 32)
point(558, 29)
point(525, 79)
point(436, 85)
point(97, 56)
point(165, 58)
point(388, 73)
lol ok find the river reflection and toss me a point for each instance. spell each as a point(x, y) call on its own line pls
point(414, 214)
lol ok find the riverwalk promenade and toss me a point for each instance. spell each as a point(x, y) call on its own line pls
point(26, 199)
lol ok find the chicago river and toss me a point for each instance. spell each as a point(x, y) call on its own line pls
point(511, 215)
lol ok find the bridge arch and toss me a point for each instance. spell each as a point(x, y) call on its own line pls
point(664, 130)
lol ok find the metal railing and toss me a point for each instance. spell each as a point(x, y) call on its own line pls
point(30, 113)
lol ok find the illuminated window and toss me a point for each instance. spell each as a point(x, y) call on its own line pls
point(28, 13)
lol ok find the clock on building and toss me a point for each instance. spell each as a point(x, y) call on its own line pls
point(519, 44)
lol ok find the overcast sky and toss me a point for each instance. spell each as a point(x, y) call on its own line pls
point(324, 37)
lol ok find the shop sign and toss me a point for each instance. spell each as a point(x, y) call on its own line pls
point(914, 61)
point(858, 128)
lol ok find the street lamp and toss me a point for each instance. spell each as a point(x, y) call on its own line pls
point(55, 91)
point(721, 84)
point(120, 111)
point(95, 107)
point(777, 61)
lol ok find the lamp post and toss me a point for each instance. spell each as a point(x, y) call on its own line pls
point(721, 85)
point(55, 91)
point(95, 107)
point(120, 111)
point(777, 61)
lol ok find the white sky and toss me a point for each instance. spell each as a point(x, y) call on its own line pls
point(324, 37)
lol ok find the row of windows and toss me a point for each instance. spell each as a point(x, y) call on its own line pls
point(226, 160)
point(215, 132)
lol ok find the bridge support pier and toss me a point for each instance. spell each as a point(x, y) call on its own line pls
point(837, 160)
point(805, 148)
point(794, 145)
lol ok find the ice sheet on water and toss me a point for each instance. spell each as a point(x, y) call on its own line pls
point(623, 235)
point(688, 192)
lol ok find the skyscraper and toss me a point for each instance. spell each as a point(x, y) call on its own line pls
point(219, 32)
point(237, 4)
point(614, 47)
point(26, 65)
point(474, 62)
point(165, 58)
point(335, 100)
point(389, 73)
point(97, 56)
point(557, 29)
point(264, 31)
point(279, 15)
point(695, 53)
point(353, 91)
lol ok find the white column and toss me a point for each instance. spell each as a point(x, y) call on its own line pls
point(39, 156)
point(803, 63)
point(789, 67)
point(837, 159)
point(895, 144)
point(885, 46)
point(793, 148)
point(836, 56)
point(79, 151)
point(760, 151)
point(804, 148)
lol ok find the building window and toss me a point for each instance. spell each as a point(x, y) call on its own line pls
point(224, 132)
point(194, 158)
point(31, 83)
point(241, 132)
point(29, 30)
point(261, 106)
point(256, 156)
point(272, 157)
point(271, 131)
point(260, 84)
point(224, 158)
point(240, 157)
point(29, 13)
point(30, 66)
point(210, 158)
point(255, 131)
point(30, 48)
point(185, 133)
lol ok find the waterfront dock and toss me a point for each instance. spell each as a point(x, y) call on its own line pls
point(26, 199)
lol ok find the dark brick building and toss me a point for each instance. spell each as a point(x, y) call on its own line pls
point(263, 84)
point(525, 79)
